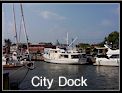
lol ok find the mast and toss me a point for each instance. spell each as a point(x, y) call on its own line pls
point(67, 39)
point(73, 40)
point(25, 30)
point(20, 29)
point(15, 29)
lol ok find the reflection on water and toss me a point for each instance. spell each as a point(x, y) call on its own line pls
point(110, 75)
point(98, 77)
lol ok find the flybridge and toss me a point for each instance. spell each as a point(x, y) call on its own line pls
point(110, 51)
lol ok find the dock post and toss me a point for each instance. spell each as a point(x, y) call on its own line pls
point(6, 85)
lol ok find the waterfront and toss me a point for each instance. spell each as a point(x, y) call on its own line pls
point(98, 77)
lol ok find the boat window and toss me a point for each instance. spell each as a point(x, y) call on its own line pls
point(74, 56)
point(55, 51)
point(68, 52)
point(51, 51)
point(84, 55)
point(64, 56)
point(100, 51)
point(62, 52)
point(114, 56)
point(14, 54)
point(102, 56)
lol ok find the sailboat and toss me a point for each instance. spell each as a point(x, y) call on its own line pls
point(16, 60)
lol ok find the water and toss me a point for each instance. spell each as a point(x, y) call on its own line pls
point(98, 77)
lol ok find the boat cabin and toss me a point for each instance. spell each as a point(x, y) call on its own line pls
point(100, 51)
point(62, 54)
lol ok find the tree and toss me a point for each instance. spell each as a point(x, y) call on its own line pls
point(7, 45)
point(82, 45)
point(113, 39)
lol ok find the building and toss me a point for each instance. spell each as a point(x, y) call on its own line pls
point(39, 48)
point(33, 48)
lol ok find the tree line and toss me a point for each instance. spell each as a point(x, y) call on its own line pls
point(112, 39)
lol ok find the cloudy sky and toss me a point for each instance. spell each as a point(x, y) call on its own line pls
point(48, 22)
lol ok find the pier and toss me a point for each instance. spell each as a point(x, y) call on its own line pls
point(6, 85)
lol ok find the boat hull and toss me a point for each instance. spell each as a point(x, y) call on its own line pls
point(66, 61)
point(107, 62)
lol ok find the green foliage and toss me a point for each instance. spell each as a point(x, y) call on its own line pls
point(83, 45)
point(113, 37)
point(7, 42)
point(7, 45)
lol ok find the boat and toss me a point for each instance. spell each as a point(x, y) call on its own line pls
point(16, 59)
point(110, 51)
point(63, 57)
point(110, 59)
point(4, 60)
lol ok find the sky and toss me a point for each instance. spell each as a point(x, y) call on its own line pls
point(49, 22)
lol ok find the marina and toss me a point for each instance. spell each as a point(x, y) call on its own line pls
point(90, 61)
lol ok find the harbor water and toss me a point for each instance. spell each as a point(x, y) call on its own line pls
point(98, 77)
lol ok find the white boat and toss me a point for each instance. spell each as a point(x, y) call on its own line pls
point(111, 59)
point(110, 51)
point(13, 59)
point(64, 56)
point(3, 60)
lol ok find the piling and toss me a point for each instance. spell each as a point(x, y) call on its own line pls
point(6, 85)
